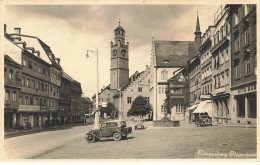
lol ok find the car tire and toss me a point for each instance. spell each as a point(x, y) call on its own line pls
point(124, 137)
point(90, 139)
point(117, 136)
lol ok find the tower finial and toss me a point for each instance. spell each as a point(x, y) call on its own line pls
point(119, 22)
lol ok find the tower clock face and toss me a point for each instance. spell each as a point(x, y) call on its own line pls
point(114, 52)
point(123, 52)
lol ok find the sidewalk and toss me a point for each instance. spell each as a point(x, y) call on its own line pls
point(13, 132)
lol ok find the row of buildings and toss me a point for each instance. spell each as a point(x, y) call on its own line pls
point(223, 70)
point(217, 69)
point(37, 90)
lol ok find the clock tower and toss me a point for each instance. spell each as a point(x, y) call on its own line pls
point(119, 70)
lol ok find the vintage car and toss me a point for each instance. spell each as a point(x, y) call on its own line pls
point(139, 124)
point(203, 120)
point(116, 129)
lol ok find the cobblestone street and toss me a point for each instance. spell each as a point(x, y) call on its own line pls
point(186, 141)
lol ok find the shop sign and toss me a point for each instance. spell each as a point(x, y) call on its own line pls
point(53, 108)
point(205, 97)
point(28, 108)
point(250, 88)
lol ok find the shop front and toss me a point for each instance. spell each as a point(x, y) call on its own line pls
point(244, 105)
point(221, 109)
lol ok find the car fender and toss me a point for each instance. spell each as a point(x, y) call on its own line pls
point(93, 135)
point(122, 133)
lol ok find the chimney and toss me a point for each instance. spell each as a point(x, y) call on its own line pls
point(17, 30)
point(37, 52)
point(5, 28)
point(30, 48)
point(21, 42)
point(16, 38)
point(57, 60)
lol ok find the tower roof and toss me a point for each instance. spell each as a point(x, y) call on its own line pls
point(198, 25)
point(119, 28)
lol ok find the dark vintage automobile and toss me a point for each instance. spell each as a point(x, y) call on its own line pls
point(116, 129)
point(203, 120)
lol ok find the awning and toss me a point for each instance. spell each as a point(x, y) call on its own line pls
point(192, 107)
point(205, 106)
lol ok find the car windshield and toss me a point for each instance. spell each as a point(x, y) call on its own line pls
point(204, 117)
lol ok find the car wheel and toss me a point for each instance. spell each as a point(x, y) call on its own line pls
point(124, 137)
point(117, 136)
point(90, 139)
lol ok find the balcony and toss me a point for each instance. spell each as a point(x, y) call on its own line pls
point(220, 90)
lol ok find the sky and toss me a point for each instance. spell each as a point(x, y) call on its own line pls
point(71, 30)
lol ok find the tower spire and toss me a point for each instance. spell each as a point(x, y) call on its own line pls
point(198, 32)
point(119, 22)
point(198, 23)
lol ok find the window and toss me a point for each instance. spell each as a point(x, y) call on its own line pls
point(26, 100)
point(140, 89)
point(160, 90)
point(21, 99)
point(248, 68)
point(24, 62)
point(237, 69)
point(7, 95)
point(40, 69)
point(129, 100)
point(43, 71)
point(227, 77)
point(11, 74)
point(247, 36)
point(236, 18)
point(23, 81)
point(43, 86)
point(31, 100)
point(30, 64)
point(163, 91)
point(164, 74)
point(14, 96)
point(51, 88)
point(5, 74)
point(227, 29)
point(147, 100)
point(162, 109)
point(17, 75)
point(237, 43)
point(46, 87)
point(28, 82)
point(148, 81)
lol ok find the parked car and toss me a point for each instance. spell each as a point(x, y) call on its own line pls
point(116, 129)
point(139, 124)
point(203, 120)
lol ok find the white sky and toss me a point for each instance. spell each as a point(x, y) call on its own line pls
point(71, 30)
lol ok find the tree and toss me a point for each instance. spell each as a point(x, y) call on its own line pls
point(110, 110)
point(140, 107)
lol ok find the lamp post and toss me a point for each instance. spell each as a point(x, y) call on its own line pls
point(120, 106)
point(96, 122)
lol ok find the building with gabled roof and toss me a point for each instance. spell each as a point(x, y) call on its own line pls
point(166, 58)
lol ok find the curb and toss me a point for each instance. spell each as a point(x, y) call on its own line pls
point(32, 131)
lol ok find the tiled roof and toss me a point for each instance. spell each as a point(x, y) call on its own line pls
point(174, 53)
point(8, 58)
point(66, 76)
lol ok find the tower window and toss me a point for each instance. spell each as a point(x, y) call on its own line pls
point(140, 89)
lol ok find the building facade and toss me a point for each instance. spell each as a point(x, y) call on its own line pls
point(176, 92)
point(12, 85)
point(243, 63)
point(221, 64)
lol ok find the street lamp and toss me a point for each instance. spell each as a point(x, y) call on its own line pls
point(96, 122)
point(120, 106)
